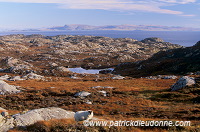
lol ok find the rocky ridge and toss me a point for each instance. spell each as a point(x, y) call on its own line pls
point(175, 61)
point(48, 54)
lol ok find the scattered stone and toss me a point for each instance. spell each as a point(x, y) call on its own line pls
point(152, 77)
point(62, 69)
point(194, 73)
point(10, 61)
point(5, 88)
point(53, 64)
point(88, 102)
point(19, 68)
point(125, 58)
point(4, 77)
point(103, 92)
point(15, 78)
point(183, 82)
point(33, 76)
point(118, 77)
point(170, 77)
point(103, 87)
point(74, 77)
point(82, 94)
point(109, 87)
point(162, 77)
point(52, 87)
point(14, 65)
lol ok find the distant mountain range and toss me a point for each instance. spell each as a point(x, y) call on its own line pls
point(78, 27)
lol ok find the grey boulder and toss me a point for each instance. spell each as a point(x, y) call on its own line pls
point(183, 82)
point(5, 88)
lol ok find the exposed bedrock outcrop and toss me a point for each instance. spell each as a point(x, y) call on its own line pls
point(174, 61)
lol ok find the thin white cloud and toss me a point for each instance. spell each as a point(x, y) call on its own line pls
point(33, 1)
point(179, 1)
point(190, 15)
point(120, 5)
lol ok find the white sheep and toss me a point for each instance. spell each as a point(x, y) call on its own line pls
point(83, 115)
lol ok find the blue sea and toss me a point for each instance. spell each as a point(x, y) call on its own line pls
point(184, 38)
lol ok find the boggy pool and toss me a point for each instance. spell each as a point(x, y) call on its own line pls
point(87, 71)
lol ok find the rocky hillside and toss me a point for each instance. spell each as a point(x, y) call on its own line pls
point(20, 53)
point(39, 93)
point(175, 61)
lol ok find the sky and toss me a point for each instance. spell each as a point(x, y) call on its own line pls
point(23, 14)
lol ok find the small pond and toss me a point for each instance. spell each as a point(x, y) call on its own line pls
point(89, 71)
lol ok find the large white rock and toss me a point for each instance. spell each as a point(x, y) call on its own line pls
point(6, 124)
point(36, 115)
point(183, 82)
point(83, 115)
point(5, 88)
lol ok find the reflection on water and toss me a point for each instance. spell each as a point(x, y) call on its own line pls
point(89, 71)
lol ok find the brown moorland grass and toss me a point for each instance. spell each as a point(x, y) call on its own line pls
point(121, 85)
point(130, 99)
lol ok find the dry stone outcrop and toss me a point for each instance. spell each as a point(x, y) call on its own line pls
point(33, 76)
point(5, 88)
point(14, 65)
point(183, 82)
point(34, 116)
point(37, 52)
point(4, 77)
